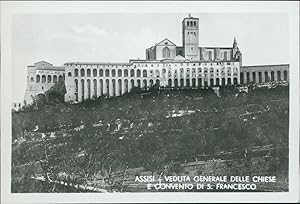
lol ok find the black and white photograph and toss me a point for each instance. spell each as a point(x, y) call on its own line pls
point(120, 99)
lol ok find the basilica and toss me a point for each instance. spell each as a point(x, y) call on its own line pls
point(165, 64)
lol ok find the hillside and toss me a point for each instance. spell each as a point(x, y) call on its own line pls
point(151, 130)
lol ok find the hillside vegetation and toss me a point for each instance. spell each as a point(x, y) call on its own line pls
point(149, 129)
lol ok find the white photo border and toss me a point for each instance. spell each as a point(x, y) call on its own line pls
point(8, 9)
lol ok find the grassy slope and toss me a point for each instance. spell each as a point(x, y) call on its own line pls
point(137, 130)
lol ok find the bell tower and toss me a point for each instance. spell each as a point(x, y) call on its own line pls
point(190, 38)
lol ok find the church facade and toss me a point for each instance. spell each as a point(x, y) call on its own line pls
point(166, 64)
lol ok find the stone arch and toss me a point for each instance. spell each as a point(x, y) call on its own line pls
point(113, 73)
point(228, 81)
point(76, 89)
point(170, 83)
point(38, 78)
point(139, 83)
point(138, 73)
point(181, 82)
point(193, 82)
point(119, 85)
point(101, 87)
point(82, 72)
point(76, 72)
point(266, 77)
point(49, 79)
point(82, 89)
point(235, 81)
point(43, 78)
point(259, 77)
point(107, 87)
point(94, 72)
point(157, 82)
point(131, 73)
point(285, 75)
point(151, 82)
point(107, 72)
point(211, 82)
point(89, 89)
point(95, 87)
point(254, 77)
point(100, 72)
point(60, 78)
point(187, 82)
point(126, 86)
point(145, 84)
point(41, 99)
point(272, 76)
point(217, 81)
point(119, 73)
point(126, 73)
point(54, 79)
point(278, 76)
point(113, 87)
point(144, 73)
point(88, 73)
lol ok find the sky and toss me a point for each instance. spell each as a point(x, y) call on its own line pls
point(118, 37)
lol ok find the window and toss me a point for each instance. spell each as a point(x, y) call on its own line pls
point(76, 72)
point(113, 73)
point(82, 72)
point(210, 55)
point(144, 73)
point(54, 79)
point(126, 73)
point(166, 52)
point(101, 72)
point(38, 78)
point(188, 23)
point(119, 73)
point(88, 73)
point(94, 72)
point(225, 55)
point(43, 79)
point(49, 79)
point(138, 73)
point(70, 74)
point(194, 23)
point(31, 79)
point(107, 72)
point(131, 73)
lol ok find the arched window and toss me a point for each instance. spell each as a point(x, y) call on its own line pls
point(76, 72)
point(195, 24)
point(166, 52)
point(119, 73)
point(157, 73)
point(113, 73)
point(188, 23)
point(278, 76)
point(285, 75)
point(43, 79)
point(70, 74)
point(49, 79)
point(144, 73)
point(60, 78)
point(106, 72)
point(88, 73)
point(82, 72)
point(138, 73)
point(126, 73)
point(54, 79)
point(225, 55)
point(131, 73)
point(32, 79)
point(38, 78)
point(94, 72)
point(101, 72)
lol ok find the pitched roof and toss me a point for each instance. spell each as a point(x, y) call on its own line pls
point(167, 40)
